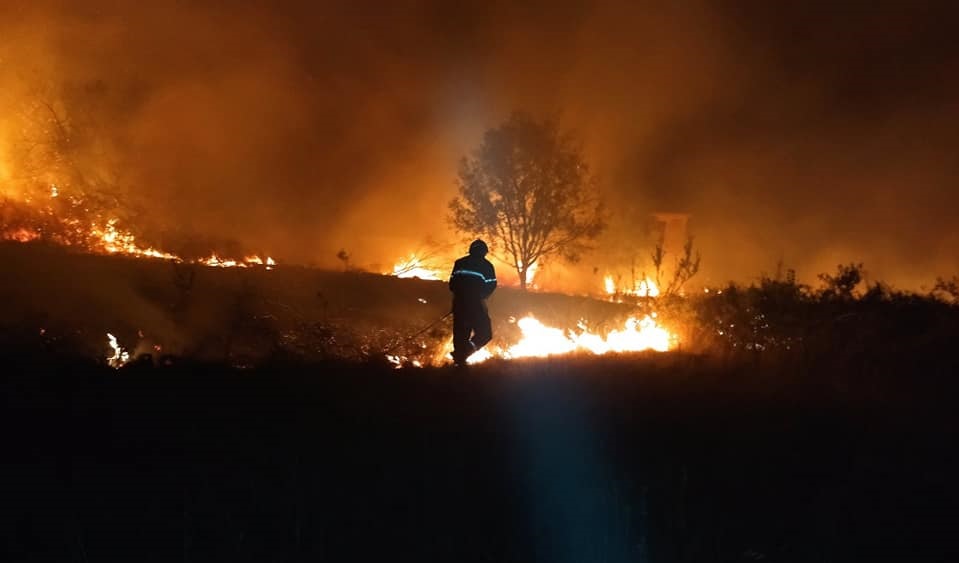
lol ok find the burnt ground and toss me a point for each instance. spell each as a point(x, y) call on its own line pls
point(644, 458)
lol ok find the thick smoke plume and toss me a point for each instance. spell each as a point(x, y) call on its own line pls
point(810, 135)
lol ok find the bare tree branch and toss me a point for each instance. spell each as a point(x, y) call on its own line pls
point(528, 188)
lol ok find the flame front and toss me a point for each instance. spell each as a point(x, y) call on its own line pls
point(120, 356)
point(57, 222)
point(539, 340)
point(214, 261)
point(114, 241)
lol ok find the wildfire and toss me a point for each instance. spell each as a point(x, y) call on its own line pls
point(257, 261)
point(647, 288)
point(538, 340)
point(20, 235)
point(609, 285)
point(644, 288)
point(215, 261)
point(114, 241)
point(109, 239)
point(120, 356)
point(531, 274)
point(413, 267)
point(60, 224)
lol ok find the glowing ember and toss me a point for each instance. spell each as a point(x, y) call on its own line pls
point(413, 267)
point(21, 235)
point(120, 356)
point(400, 361)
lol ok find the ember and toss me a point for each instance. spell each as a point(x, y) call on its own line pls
point(20, 235)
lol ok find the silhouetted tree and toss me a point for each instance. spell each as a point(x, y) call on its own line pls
point(528, 189)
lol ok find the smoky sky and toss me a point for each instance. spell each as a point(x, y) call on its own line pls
point(809, 133)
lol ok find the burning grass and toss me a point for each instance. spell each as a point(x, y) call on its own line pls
point(538, 340)
point(645, 287)
point(88, 225)
point(249, 316)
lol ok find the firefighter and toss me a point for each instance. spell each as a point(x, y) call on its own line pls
point(473, 280)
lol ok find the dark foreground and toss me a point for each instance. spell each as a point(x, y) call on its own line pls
point(655, 458)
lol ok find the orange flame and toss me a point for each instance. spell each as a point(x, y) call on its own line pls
point(413, 267)
point(114, 241)
point(106, 238)
point(540, 341)
point(644, 288)
point(21, 235)
point(120, 356)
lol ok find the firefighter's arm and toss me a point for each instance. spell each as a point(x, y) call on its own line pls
point(490, 283)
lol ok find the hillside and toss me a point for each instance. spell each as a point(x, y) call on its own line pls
point(244, 315)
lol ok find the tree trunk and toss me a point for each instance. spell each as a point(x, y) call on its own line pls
point(522, 278)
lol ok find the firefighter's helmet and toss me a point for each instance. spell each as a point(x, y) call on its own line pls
point(478, 248)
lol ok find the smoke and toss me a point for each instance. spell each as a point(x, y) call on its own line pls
point(803, 134)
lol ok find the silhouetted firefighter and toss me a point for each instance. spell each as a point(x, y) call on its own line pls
point(472, 281)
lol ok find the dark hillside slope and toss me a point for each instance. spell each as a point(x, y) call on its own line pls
point(240, 315)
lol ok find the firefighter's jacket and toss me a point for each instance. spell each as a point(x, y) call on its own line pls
point(473, 278)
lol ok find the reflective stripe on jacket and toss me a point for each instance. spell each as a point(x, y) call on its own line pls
point(473, 277)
